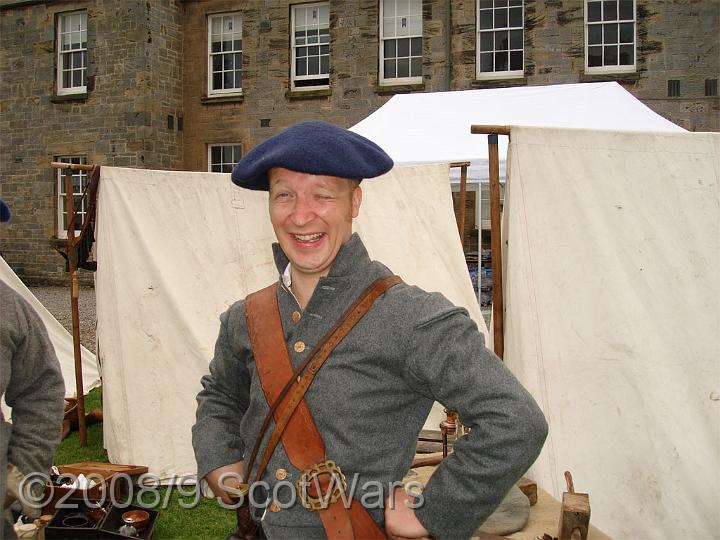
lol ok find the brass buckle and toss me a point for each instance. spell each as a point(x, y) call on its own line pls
point(238, 492)
point(309, 477)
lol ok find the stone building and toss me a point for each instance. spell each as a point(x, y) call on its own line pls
point(191, 84)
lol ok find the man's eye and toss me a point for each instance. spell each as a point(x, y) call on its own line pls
point(281, 195)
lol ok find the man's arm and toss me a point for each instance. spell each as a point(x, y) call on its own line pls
point(449, 362)
point(221, 405)
point(35, 389)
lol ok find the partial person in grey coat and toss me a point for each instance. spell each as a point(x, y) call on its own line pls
point(31, 383)
point(372, 396)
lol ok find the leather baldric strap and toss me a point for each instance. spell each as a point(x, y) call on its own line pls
point(285, 388)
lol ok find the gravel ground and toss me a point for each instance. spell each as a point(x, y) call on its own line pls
point(57, 302)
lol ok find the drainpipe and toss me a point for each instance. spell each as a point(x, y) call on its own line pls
point(448, 44)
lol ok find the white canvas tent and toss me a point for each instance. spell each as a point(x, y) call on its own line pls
point(612, 297)
point(61, 338)
point(435, 127)
point(175, 249)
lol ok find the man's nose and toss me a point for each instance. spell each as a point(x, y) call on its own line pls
point(302, 213)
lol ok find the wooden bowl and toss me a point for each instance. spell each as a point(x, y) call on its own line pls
point(136, 518)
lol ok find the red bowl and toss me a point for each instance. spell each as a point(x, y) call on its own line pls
point(136, 518)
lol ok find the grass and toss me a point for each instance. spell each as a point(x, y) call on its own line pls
point(206, 520)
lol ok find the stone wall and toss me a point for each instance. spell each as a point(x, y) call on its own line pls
point(148, 69)
point(134, 52)
point(354, 92)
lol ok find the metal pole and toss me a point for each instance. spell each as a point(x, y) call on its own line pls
point(496, 244)
point(74, 293)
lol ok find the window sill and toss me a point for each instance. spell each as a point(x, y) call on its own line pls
point(621, 77)
point(233, 98)
point(499, 82)
point(399, 88)
point(308, 94)
point(62, 98)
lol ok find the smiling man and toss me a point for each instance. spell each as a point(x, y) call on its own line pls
point(321, 382)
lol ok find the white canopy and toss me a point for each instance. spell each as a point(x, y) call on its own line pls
point(435, 127)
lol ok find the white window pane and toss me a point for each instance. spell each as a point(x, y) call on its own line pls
point(402, 8)
point(216, 25)
point(389, 8)
point(325, 15)
point(415, 25)
point(388, 27)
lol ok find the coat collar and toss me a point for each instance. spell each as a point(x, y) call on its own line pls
point(351, 257)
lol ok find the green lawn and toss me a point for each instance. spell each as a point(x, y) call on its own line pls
point(206, 520)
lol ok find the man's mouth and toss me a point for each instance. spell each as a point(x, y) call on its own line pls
point(308, 238)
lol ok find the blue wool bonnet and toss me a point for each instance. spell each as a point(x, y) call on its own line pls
point(4, 212)
point(312, 147)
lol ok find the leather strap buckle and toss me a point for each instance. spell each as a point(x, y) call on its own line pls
point(313, 483)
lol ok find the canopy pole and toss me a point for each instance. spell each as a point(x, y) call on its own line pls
point(496, 245)
point(495, 232)
point(74, 293)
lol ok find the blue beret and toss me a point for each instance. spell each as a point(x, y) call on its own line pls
point(312, 147)
point(4, 211)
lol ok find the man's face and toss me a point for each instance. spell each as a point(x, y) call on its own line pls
point(312, 217)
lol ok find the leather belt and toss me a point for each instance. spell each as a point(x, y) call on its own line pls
point(284, 389)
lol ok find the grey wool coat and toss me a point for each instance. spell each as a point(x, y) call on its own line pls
point(32, 383)
point(371, 398)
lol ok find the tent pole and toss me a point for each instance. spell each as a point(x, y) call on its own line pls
point(495, 234)
point(71, 247)
point(496, 244)
point(463, 198)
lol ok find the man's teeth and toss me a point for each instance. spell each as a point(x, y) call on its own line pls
point(308, 237)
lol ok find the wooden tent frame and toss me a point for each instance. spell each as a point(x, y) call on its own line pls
point(495, 231)
point(71, 251)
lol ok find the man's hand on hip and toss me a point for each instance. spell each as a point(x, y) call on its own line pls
point(400, 519)
point(229, 476)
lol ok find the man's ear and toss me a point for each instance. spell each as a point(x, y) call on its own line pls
point(356, 201)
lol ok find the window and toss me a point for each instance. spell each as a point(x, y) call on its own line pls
point(500, 39)
point(79, 182)
point(609, 36)
point(400, 41)
point(224, 54)
point(223, 157)
point(673, 88)
point(310, 46)
point(711, 87)
point(72, 53)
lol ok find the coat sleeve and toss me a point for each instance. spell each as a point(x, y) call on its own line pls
point(224, 398)
point(448, 361)
point(35, 392)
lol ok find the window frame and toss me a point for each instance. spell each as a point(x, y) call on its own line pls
point(293, 76)
point(609, 68)
point(506, 74)
point(59, 88)
point(389, 81)
point(235, 91)
point(60, 200)
point(210, 146)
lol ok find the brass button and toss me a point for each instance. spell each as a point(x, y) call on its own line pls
point(275, 506)
point(281, 474)
point(299, 346)
point(296, 316)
